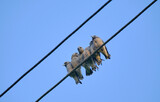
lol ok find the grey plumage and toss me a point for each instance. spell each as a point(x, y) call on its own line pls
point(96, 56)
point(97, 42)
point(75, 62)
point(83, 54)
point(74, 75)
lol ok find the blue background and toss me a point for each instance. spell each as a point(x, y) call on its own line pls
point(29, 29)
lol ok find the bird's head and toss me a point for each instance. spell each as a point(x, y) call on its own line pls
point(74, 55)
point(94, 36)
point(80, 50)
point(66, 63)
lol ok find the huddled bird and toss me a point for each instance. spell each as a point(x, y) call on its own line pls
point(96, 56)
point(83, 54)
point(90, 64)
point(75, 62)
point(97, 42)
point(74, 75)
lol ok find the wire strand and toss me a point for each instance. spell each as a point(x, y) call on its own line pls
point(55, 48)
point(97, 49)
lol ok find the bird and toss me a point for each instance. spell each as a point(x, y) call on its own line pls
point(74, 75)
point(96, 57)
point(97, 42)
point(75, 62)
point(83, 54)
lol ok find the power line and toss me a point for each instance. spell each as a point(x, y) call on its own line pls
point(97, 49)
point(55, 48)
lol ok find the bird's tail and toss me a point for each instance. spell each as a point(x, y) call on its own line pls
point(89, 72)
point(77, 76)
point(109, 56)
point(106, 53)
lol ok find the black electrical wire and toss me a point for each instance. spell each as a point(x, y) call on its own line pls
point(97, 49)
point(55, 48)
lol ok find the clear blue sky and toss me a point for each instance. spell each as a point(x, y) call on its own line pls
point(29, 29)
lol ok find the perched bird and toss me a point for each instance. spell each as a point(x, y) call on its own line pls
point(97, 42)
point(74, 75)
point(83, 54)
point(96, 57)
point(75, 62)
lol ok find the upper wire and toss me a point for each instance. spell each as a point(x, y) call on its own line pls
point(55, 48)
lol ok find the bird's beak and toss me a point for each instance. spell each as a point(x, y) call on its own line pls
point(63, 65)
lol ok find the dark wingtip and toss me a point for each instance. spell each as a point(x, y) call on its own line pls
point(80, 82)
point(108, 57)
